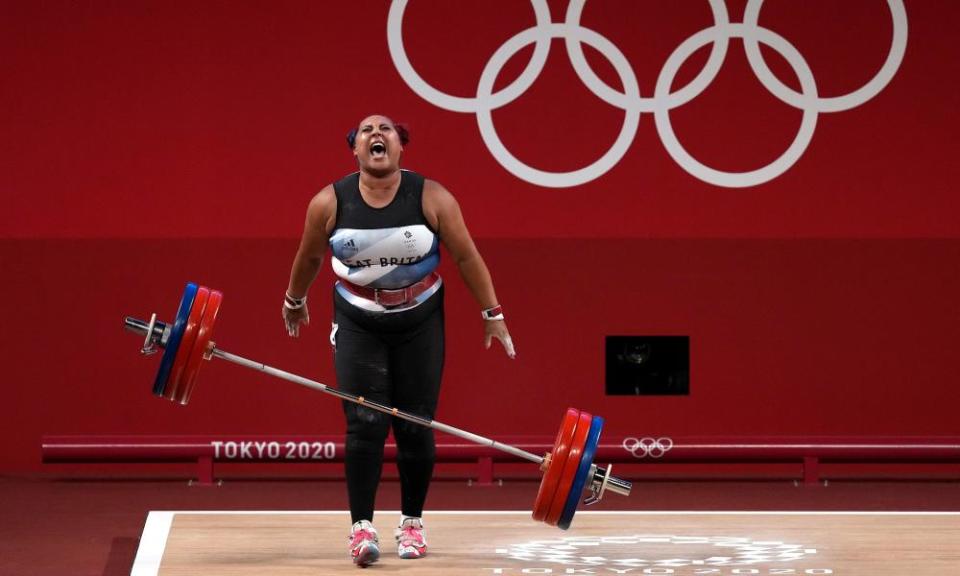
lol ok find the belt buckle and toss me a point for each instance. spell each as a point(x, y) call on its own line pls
point(378, 291)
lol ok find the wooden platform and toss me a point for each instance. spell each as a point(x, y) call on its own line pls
point(484, 543)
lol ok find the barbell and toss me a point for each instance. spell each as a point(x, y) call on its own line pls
point(567, 470)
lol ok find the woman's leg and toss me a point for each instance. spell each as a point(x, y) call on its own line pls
point(362, 366)
point(417, 366)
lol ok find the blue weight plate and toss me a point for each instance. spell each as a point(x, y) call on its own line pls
point(173, 343)
point(580, 480)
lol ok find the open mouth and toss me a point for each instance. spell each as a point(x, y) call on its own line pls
point(378, 149)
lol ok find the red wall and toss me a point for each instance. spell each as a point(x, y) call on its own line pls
point(144, 144)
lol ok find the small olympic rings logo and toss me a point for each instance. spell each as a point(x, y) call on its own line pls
point(663, 100)
point(647, 447)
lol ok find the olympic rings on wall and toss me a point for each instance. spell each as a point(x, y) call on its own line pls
point(647, 447)
point(663, 100)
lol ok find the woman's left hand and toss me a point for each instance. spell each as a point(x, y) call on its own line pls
point(498, 329)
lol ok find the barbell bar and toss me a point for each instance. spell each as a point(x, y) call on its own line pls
point(567, 470)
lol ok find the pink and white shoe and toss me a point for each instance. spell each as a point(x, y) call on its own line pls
point(364, 544)
point(410, 540)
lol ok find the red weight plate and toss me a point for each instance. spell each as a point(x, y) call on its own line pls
point(199, 347)
point(174, 383)
point(570, 468)
point(548, 485)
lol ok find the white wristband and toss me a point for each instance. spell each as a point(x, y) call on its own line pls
point(495, 313)
point(291, 303)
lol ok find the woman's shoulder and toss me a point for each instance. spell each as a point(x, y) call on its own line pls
point(435, 190)
point(322, 209)
point(438, 203)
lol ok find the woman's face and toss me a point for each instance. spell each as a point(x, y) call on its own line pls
point(378, 148)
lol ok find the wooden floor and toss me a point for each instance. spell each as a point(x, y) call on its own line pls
point(477, 543)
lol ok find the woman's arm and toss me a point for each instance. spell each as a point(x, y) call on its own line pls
point(443, 213)
point(321, 217)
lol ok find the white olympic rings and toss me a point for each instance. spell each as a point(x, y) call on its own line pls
point(647, 447)
point(663, 101)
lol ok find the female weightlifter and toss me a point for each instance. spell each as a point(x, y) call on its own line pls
point(383, 226)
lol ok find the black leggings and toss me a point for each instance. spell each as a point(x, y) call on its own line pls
point(394, 359)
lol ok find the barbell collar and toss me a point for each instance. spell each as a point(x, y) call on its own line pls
point(156, 332)
point(149, 346)
point(612, 483)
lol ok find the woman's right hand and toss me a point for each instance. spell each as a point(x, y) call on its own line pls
point(293, 318)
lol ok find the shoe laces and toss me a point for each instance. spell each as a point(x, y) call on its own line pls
point(361, 532)
point(411, 531)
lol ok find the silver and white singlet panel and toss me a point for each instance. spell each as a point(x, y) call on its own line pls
point(384, 257)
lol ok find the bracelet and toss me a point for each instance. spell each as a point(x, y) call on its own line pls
point(292, 303)
point(495, 313)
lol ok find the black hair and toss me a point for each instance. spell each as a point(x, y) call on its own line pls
point(402, 131)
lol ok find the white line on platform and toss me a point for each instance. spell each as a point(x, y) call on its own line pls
point(152, 544)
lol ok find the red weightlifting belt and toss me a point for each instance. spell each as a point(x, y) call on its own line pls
point(396, 297)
